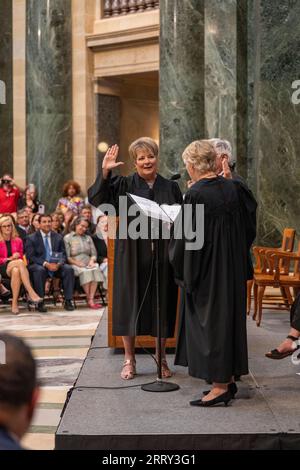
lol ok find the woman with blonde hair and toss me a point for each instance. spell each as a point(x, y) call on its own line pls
point(212, 340)
point(12, 265)
point(134, 296)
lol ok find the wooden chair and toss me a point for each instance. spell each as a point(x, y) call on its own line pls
point(287, 245)
point(277, 276)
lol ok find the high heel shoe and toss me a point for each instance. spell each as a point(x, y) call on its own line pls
point(224, 398)
point(232, 388)
point(36, 305)
point(4, 297)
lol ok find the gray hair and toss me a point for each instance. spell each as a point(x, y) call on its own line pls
point(201, 155)
point(77, 221)
point(223, 146)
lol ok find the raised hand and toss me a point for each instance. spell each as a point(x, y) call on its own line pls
point(226, 170)
point(109, 160)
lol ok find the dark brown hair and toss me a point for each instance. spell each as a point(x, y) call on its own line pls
point(71, 183)
point(18, 377)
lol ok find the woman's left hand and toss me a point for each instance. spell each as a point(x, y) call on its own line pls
point(226, 170)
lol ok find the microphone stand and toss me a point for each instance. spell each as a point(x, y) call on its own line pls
point(159, 385)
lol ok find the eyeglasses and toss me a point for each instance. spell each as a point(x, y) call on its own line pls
point(6, 226)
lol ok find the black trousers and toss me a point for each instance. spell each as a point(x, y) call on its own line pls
point(39, 275)
point(295, 313)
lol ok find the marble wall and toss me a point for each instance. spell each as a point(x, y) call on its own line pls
point(221, 69)
point(49, 96)
point(6, 87)
point(108, 122)
point(274, 165)
point(182, 116)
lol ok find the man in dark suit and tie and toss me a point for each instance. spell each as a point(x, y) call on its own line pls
point(18, 391)
point(23, 224)
point(40, 250)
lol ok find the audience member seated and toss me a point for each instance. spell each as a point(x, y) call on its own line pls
point(100, 242)
point(291, 343)
point(12, 265)
point(56, 223)
point(29, 199)
point(68, 220)
point(82, 256)
point(23, 224)
point(46, 254)
point(18, 392)
point(71, 200)
point(9, 195)
point(87, 213)
point(35, 224)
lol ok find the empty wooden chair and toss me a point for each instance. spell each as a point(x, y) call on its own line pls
point(278, 275)
point(287, 245)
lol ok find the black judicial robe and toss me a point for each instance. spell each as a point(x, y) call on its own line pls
point(212, 339)
point(133, 260)
point(295, 313)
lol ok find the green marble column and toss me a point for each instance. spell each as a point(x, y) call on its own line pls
point(49, 96)
point(274, 64)
point(226, 75)
point(182, 117)
point(6, 88)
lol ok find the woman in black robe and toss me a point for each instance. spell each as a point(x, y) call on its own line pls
point(212, 338)
point(133, 265)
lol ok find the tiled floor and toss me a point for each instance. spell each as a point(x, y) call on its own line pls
point(59, 341)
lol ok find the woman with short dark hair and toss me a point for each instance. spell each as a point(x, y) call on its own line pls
point(82, 256)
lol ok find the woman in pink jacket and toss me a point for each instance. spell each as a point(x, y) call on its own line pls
point(12, 265)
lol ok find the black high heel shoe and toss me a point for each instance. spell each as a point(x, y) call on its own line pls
point(5, 297)
point(36, 305)
point(232, 388)
point(224, 398)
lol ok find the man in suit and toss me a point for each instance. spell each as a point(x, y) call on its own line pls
point(40, 249)
point(18, 391)
point(23, 224)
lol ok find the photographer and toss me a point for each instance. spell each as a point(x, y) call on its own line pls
point(9, 195)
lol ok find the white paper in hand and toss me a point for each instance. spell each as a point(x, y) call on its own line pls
point(150, 208)
point(171, 211)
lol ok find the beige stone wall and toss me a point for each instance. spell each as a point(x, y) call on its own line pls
point(83, 16)
point(19, 90)
point(101, 48)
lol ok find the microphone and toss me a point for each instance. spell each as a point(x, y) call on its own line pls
point(175, 177)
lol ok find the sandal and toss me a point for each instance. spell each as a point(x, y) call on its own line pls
point(128, 370)
point(165, 371)
point(275, 354)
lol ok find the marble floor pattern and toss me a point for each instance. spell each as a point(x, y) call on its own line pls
point(60, 341)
